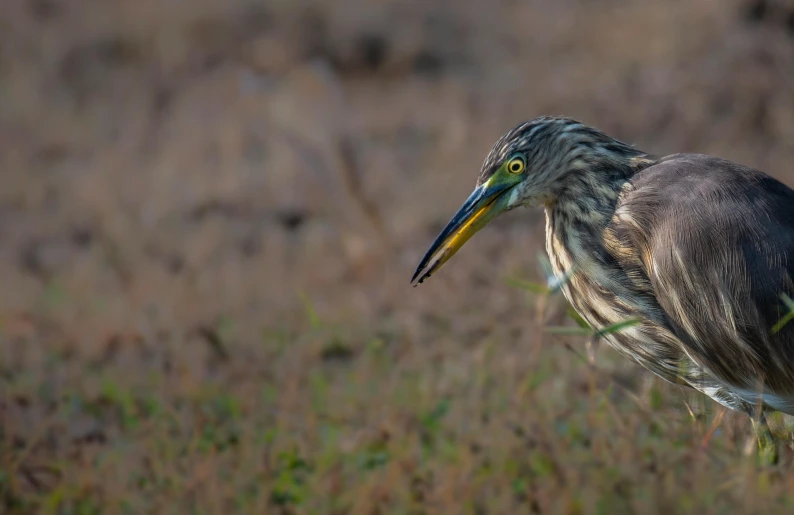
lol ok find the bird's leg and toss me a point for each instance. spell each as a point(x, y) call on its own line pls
point(768, 453)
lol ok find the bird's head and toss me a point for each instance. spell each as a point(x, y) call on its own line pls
point(535, 163)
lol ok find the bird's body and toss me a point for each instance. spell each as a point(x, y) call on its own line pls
point(699, 249)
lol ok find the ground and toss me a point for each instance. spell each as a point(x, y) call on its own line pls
point(211, 211)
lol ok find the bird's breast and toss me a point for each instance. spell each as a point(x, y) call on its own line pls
point(596, 288)
point(603, 294)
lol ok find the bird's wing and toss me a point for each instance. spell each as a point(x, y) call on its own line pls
point(716, 243)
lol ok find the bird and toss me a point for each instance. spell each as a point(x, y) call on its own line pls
point(699, 250)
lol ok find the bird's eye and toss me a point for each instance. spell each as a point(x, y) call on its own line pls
point(515, 165)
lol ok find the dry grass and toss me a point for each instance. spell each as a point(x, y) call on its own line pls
point(209, 216)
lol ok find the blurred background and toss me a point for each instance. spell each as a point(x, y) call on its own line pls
point(211, 209)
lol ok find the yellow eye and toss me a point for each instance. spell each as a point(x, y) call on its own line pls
point(515, 165)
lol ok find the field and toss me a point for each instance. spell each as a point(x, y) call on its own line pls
point(210, 212)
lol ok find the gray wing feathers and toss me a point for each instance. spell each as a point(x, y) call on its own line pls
point(719, 253)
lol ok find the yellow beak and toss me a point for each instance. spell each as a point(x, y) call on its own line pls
point(481, 207)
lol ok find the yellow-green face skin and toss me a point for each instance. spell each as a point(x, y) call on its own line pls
point(485, 203)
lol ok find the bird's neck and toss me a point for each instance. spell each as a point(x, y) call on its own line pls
point(588, 193)
point(583, 205)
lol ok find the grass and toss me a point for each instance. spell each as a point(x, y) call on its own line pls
point(338, 421)
point(197, 318)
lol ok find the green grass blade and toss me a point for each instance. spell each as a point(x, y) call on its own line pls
point(576, 317)
point(528, 286)
point(783, 321)
point(786, 318)
point(619, 326)
point(311, 312)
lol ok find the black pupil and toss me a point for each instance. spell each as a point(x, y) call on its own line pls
point(515, 166)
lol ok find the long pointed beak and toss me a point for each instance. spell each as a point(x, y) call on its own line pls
point(481, 207)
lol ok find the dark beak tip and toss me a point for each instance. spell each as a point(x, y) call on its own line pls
point(423, 271)
point(418, 279)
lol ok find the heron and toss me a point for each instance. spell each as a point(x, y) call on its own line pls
point(698, 249)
